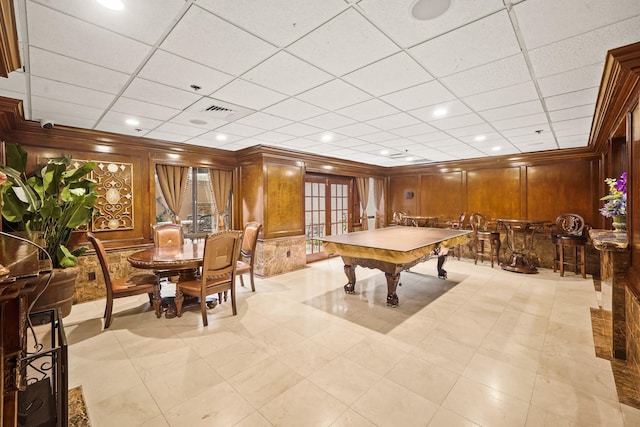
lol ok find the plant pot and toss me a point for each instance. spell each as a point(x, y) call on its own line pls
point(619, 223)
point(59, 293)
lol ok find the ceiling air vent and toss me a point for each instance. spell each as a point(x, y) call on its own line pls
point(209, 109)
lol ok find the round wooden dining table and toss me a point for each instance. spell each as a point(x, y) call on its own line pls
point(185, 260)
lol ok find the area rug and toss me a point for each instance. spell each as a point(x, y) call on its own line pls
point(368, 306)
point(78, 416)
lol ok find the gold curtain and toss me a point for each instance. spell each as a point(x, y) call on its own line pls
point(221, 184)
point(173, 182)
point(363, 191)
point(378, 199)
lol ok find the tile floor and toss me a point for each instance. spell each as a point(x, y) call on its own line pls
point(483, 348)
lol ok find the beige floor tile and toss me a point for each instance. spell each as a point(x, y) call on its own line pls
point(501, 376)
point(303, 404)
point(375, 355)
point(264, 381)
point(236, 358)
point(219, 405)
point(350, 418)
point(447, 418)
point(484, 405)
point(389, 404)
point(306, 356)
point(585, 409)
point(130, 407)
point(338, 338)
point(501, 347)
point(276, 339)
point(344, 379)
point(424, 378)
point(254, 420)
point(444, 352)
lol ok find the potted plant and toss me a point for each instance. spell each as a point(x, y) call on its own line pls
point(52, 202)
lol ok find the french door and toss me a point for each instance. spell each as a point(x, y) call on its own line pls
point(328, 210)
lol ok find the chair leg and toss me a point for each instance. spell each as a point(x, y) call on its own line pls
point(233, 300)
point(179, 300)
point(203, 309)
point(241, 279)
point(561, 260)
point(575, 258)
point(157, 301)
point(253, 286)
point(582, 264)
point(108, 310)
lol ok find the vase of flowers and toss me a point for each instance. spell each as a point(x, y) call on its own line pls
point(616, 202)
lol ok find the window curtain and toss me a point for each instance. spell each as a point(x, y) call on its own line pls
point(378, 200)
point(221, 184)
point(363, 191)
point(173, 182)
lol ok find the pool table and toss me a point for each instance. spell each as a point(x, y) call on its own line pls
point(392, 250)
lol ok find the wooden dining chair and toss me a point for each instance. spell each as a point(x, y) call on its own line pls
point(125, 287)
point(569, 232)
point(247, 252)
point(218, 275)
point(167, 235)
point(481, 235)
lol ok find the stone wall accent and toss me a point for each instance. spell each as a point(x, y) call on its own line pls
point(90, 290)
point(277, 256)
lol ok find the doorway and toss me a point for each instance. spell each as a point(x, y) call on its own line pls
point(328, 210)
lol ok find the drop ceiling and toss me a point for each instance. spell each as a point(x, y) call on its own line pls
point(353, 79)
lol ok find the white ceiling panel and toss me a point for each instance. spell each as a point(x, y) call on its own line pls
point(368, 110)
point(145, 20)
point(363, 73)
point(496, 75)
point(327, 46)
point(334, 95)
point(573, 53)
point(329, 121)
point(279, 21)
point(192, 38)
point(510, 111)
point(419, 96)
point(248, 95)
point(78, 39)
point(572, 99)
point(285, 73)
point(64, 92)
point(294, 109)
point(481, 42)
point(545, 22)
point(388, 75)
point(68, 70)
point(571, 81)
point(172, 70)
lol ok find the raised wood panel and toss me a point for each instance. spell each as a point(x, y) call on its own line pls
point(398, 189)
point(251, 193)
point(495, 192)
point(441, 195)
point(283, 207)
point(560, 188)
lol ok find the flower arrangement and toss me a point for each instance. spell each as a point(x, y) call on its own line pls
point(617, 197)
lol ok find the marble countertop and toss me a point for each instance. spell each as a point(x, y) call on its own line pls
point(607, 240)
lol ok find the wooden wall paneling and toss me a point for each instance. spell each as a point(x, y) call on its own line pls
point(9, 46)
point(284, 202)
point(495, 192)
point(554, 189)
point(441, 195)
point(251, 193)
point(399, 186)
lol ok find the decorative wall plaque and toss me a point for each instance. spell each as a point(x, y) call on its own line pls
point(114, 207)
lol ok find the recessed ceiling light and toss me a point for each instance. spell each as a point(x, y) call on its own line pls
point(480, 138)
point(327, 137)
point(439, 112)
point(429, 9)
point(497, 148)
point(112, 4)
point(221, 137)
point(384, 152)
point(132, 122)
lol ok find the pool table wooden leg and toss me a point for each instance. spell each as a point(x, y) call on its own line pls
point(442, 273)
point(392, 284)
point(350, 272)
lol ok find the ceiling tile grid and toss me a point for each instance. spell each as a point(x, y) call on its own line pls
point(361, 80)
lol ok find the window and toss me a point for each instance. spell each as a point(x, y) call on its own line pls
point(198, 214)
